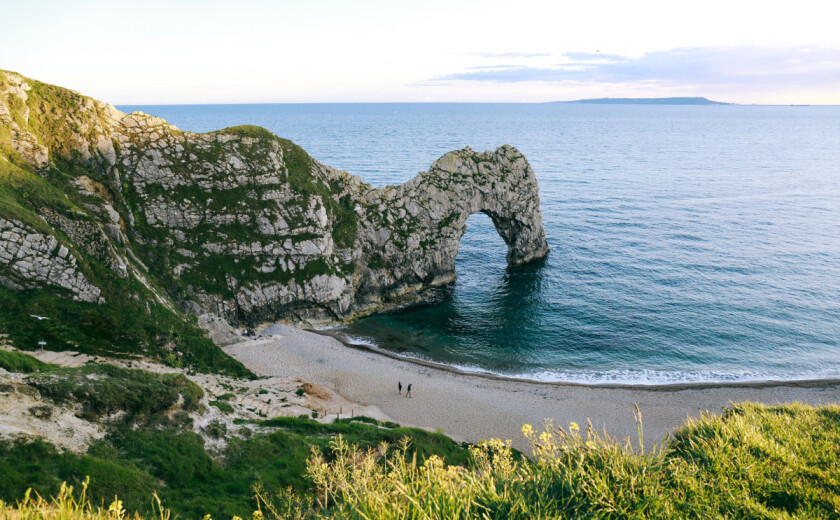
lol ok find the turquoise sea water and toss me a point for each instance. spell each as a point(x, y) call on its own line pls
point(689, 243)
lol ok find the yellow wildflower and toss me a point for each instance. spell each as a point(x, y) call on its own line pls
point(116, 508)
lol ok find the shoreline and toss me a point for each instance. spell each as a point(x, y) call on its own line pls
point(471, 408)
point(664, 387)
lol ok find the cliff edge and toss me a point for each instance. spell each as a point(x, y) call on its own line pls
point(97, 206)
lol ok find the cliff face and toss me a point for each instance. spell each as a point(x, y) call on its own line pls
point(236, 223)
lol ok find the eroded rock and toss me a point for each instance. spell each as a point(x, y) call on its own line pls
point(246, 226)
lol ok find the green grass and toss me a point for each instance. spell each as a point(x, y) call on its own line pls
point(225, 407)
point(21, 192)
point(161, 457)
point(755, 461)
point(247, 131)
point(40, 466)
point(21, 363)
point(369, 420)
point(104, 390)
point(117, 328)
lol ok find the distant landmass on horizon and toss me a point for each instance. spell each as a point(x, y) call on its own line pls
point(649, 101)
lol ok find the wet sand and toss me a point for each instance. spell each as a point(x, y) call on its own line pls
point(471, 407)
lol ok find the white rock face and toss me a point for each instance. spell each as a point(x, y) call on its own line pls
point(414, 230)
point(31, 259)
point(251, 227)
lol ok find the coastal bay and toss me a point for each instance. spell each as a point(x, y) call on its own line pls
point(689, 244)
point(438, 261)
point(472, 407)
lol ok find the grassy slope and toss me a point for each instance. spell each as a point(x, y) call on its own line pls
point(22, 190)
point(117, 328)
point(134, 464)
point(22, 363)
point(150, 448)
point(130, 322)
point(753, 462)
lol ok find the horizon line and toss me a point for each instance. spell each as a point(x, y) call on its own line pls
point(722, 104)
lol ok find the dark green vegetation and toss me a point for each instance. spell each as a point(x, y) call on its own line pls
point(755, 461)
point(105, 390)
point(21, 363)
point(649, 101)
point(114, 329)
point(150, 446)
point(221, 405)
point(133, 464)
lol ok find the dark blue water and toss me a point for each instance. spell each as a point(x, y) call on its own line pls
point(688, 243)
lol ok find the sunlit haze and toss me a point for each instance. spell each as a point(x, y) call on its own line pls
point(166, 52)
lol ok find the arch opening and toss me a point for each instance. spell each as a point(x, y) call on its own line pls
point(482, 250)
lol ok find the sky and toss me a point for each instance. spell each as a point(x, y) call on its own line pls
point(185, 52)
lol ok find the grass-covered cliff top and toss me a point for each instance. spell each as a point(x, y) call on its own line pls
point(161, 221)
point(133, 318)
point(754, 461)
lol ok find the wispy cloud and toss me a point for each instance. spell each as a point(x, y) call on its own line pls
point(511, 54)
point(720, 66)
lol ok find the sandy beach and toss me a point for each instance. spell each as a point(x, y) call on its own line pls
point(472, 408)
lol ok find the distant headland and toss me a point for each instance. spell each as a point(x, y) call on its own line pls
point(649, 101)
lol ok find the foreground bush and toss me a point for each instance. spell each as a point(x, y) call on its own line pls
point(754, 461)
point(148, 455)
point(66, 506)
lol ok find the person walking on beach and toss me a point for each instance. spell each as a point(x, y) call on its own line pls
point(408, 391)
point(399, 387)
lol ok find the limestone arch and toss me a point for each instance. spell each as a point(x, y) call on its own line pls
point(418, 231)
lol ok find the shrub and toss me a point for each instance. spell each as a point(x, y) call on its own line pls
point(20, 362)
point(104, 390)
point(753, 462)
point(225, 407)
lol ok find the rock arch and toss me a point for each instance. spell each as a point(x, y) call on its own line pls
point(411, 233)
point(244, 225)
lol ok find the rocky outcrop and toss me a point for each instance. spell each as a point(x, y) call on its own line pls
point(243, 225)
point(29, 259)
point(410, 234)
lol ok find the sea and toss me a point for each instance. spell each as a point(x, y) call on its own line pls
point(689, 244)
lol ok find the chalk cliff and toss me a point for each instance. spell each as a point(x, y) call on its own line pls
point(237, 223)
